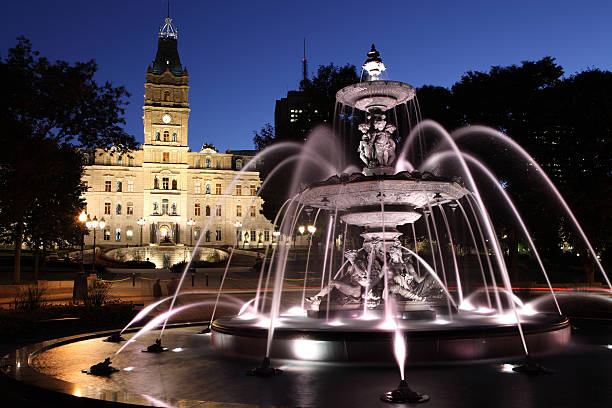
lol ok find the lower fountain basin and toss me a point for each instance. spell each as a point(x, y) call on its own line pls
point(467, 337)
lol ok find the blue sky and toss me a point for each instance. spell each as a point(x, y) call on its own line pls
point(243, 55)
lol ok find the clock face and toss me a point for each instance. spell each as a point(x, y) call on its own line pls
point(166, 118)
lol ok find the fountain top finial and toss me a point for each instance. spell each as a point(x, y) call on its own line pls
point(374, 64)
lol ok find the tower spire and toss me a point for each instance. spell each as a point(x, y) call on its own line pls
point(304, 64)
point(168, 8)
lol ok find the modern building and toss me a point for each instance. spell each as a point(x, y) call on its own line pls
point(164, 192)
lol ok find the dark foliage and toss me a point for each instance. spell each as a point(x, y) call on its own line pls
point(51, 112)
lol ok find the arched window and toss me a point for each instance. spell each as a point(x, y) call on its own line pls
point(167, 96)
point(207, 188)
point(157, 139)
point(208, 211)
point(207, 236)
point(208, 162)
point(118, 234)
point(156, 183)
point(166, 136)
point(120, 160)
point(118, 209)
point(155, 207)
point(174, 185)
point(218, 211)
point(174, 138)
point(238, 164)
point(173, 208)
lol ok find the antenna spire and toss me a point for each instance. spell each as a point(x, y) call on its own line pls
point(304, 64)
point(168, 8)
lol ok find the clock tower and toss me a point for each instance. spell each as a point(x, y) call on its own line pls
point(166, 105)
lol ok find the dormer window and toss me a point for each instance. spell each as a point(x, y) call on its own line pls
point(238, 164)
point(167, 93)
point(208, 162)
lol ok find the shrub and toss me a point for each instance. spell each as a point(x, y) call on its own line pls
point(30, 299)
point(137, 264)
point(180, 267)
point(98, 294)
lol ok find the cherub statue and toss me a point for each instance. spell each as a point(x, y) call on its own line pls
point(366, 149)
point(384, 145)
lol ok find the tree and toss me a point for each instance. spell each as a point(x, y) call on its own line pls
point(564, 123)
point(45, 102)
point(264, 137)
point(50, 219)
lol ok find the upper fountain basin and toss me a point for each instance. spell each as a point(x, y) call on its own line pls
point(373, 95)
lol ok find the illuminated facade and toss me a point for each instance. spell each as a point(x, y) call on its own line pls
point(176, 191)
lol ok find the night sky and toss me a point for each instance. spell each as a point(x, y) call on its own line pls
point(243, 55)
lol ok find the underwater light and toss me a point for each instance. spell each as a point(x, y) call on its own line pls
point(305, 349)
point(507, 368)
point(295, 311)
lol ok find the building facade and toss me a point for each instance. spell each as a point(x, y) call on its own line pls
point(165, 193)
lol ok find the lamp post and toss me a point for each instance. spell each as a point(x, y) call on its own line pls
point(93, 224)
point(141, 222)
point(82, 220)
point(191, 223)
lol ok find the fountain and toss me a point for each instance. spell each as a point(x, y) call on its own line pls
point(356, 311)
point(389, 302)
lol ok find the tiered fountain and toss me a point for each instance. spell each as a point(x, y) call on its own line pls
point(387, 302)
point(380, 299)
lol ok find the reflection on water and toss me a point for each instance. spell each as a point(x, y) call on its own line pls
point(199, 373)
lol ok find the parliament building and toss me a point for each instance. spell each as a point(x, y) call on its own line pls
point(164, 192)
